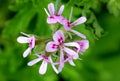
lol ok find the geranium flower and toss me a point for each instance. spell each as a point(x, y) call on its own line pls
point(58, 43)
point(45, 60)
point(53, 14)
point(27, 39)
point(68, 26)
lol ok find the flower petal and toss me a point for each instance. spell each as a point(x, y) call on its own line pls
point(51, 20)
point(61, 10)
point(74, 44)
point(43, 67)
point(58, 37)
point(32, 42)
point(22, 39)
point(53, 66)
point(78, 34)
point(26, 52)
point(51, 47)
point(34, 61)
point(71, 52)
point(84, 44)
point(61, 61)
point(51, 8)
point(71, 62)
point(79, 21)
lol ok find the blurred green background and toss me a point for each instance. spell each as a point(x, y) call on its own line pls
point(101, 62)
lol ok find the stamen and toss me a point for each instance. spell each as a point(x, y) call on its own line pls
point(47, 12)
point(25, 34)
point(70, 14)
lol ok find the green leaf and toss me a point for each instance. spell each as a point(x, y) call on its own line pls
point(19, 22)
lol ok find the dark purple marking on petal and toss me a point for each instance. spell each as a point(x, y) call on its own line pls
point(51, 17)
point(45, 57)
point(30, 43)
point(55, 46)
point(60, 40)
point(68, 24)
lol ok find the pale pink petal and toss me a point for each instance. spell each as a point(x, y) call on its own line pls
point(51, 8)
point(61, 10)
point(58, 37)
point(27, 51)
point(71, 52)
point(34, 61)
point(79, 21)
point(67, 25)
point(51, 47)
point(43, 67)
point(51, 20)
point(73, 44)
point(78, 34)
point(60, 19)
point(22, 39)
point(53, 66)
point(84, 44)
point(71, 62)
point(61, 65)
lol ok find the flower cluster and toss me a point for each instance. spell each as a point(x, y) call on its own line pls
point(57, 51)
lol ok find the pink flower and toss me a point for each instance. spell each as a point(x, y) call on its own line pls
point(67, 25)
point(52, 13)
point(84, 45)
point(58, 43)
point(43, 67)
point(28, 39)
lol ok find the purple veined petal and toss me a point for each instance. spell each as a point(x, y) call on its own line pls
point(61, 10)
point(71, 52)
point(22, 39)
point(73, 44)
point(71, 62)
point(79, 21)
point(51, 8)
point(84, 44)
point(32, 42)
point(51, 47)
point(51, 20)
point(43, 67)
point(47, 12)
point(53, 66)
point(34, 61)
point(78, 34)
point(67, 25)
point(58, 37)
point(26, 52)
point(61, 65)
